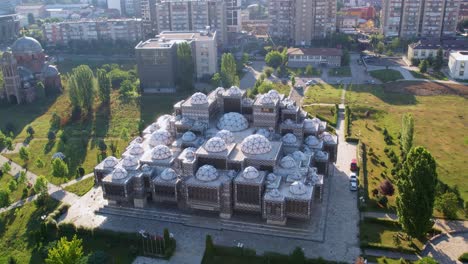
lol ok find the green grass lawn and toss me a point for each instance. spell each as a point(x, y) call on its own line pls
point(82, 187)
point(429, 76)
point(321, 111)
point(386, 75)
point(376, 233)
point(344, 71)
point(17, 194)
point(440, 126)
point(323, 93)
point(79, 139)
point(384, 260)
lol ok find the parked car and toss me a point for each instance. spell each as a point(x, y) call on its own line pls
point(249, 63)
point(353, 186)
point(353, 177)
point(353, 166)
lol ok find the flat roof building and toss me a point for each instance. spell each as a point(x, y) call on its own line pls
point(301, 57)
point(458, 65)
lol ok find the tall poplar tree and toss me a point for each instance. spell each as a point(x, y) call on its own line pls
point(81, 85)
point(104, 82)
point(229, 70)
point(185, 66)
point(407, 133)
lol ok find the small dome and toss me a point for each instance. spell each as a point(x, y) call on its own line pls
point(219, 90)
point(168, 174)
point(264, 132)
point(189, 136)
point(266, 99)
point(299, 155)
point(49, 71)
point(328, 138)
point(163, 121)
point(321, 155)
point(110, 162)
point(215, 144)
point(207, 173)
point(256, 144)
point(247, 101)
point(189, 153)
point(161, 152)
point(288, 162)
point(26, 45)
point(160, 137)
point(250, 173)
point(309, 124)
point(119, 173)
point(130, 162)
point(138, 140)
point(233, 91)
point(226, 135)
point(271, 177)
point(199, 99)
point(289, 138)
point(233, 122)
point(136, 149)
point(274, 94)
point(145, 168)
point(312, 141)
point(297, 188)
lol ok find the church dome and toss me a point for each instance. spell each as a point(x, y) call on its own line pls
point(199, 99)
point(256, 144)
point(299, 155)
point(26, 45)
point(233, 122)
point(250, 173)
point(274, 94)
point(328, 138)
point(233, 91)
point(226, 135)
point(130, 162)
point(215, 144)
point(289, 138)
point(312, 141)
point(207, 173)
point(136, 149)
point(161, 152)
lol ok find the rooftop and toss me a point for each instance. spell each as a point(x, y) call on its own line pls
point(315, 51)
point(460, 55)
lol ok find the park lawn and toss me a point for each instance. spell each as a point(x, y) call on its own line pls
point(82, 187)
point(429, 76)
point(440, 125)
point(323, 93)
point(384, 260)
point(16, 230)
point(380, 233)
point(282, 88)
point(344, 71)
point(17, 194)
point(320, 111)
point(79, 139)
point(386, 75)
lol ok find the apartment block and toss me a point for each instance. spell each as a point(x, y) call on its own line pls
point(420, 18)
point(233, 15)
point(88, 30)
point(304, 19)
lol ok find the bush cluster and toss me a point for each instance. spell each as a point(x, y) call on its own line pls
point(51, 219)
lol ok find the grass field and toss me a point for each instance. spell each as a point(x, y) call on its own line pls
point(322, 111)
point(386, 75)
point(82, 187)
point(344, 71)
point(17, 194)
point(440, 126)
point(429, 76)
point(79, 139)
point(323, 93)
point(384, 260)
point(67, 65)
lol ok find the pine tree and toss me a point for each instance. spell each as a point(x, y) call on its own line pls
point(24, 154)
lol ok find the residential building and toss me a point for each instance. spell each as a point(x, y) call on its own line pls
point(9, 28)
point(420, 18)
point(458, 65)
point(233, 15)
point(115, 4)
point(426, 48)
point(228, 154)
point(463, 15)
point(305, 20)
point(38, 11)
point(132, 8)
point(364, 12)
point(348, 24)
point(148, 16)
point(129, 29)
point(157, 58)
point(302, 57)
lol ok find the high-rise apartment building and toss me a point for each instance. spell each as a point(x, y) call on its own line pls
point(419, 18)
point(233, 15)
point(304, 20)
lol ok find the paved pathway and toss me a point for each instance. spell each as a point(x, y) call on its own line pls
point(76, 180)
point(447, 248)
point(18, 203)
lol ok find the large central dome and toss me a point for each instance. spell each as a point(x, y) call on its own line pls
point(256, 144)
point(233, 122)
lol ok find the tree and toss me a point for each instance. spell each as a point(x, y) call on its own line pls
point(439, 60)
point(4, 198)
point(81, 85)
point(12, 185)
point(297, 256)
point(268, 71)
point(274, 59)
point(66, 252)
point(245, 58)
point(21, 178)
point(104, 83)
point(5, 142)
point(185, 66)
point(293, 80)
point(24, 154)
point(386, 188)
point(423, 65)
point(427, 260)
point(209, 248)
point(59, 168)
point(345, 58)
point(51, 135)
point(6, 167)
point(380, 48)
point(229, 70)
point(30, 131)
point(447, 204)
point(216, 80)
point(41, 185)
point(407, 133)
point(416, 187)
point(31, 19)
point(309, 70)
point(127, 89)
point(54, 121)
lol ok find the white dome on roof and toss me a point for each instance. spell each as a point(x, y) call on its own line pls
point(288, 162)
point(297, 188)
point(233, 122)
point(250, 173)
point(138, 140)
point(266, 99)
point(289, 138)
point(256, 144)
point(130, 162)
point(161, 152)
point(264, 132)
point(110, 162)
point(119, 173)
point(136, 149)
point(189, 136)
point(328, 138)
point(274, 94)
point(163, 121)
point(159, 137)
point(207, 173)
point(189, 153)
point(233, 91)
point(219, 90)
point(199, 99)
point(215, 144)
point(321, 155)
point(271, 177)
point(168, 174)
point(247, 101)
point(309, 124)
point(312, 141)
point(226, 135)
point(299, 155)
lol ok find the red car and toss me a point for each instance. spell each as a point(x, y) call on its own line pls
point(353, 166)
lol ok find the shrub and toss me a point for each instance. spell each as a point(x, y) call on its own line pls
point(447, 204)
point(39, 163)
point(30, 131)
point(268, 71)
point(386, 187)
point(383, 201)
point(59, 168)
point(51, 135)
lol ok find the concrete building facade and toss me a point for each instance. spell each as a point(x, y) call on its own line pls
point(9, 28)
point(458, 65)
point(301, 57)
point(424, 49)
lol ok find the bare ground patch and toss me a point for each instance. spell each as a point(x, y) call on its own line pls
point(427, 88)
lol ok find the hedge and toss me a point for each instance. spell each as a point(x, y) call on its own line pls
point(464, 257)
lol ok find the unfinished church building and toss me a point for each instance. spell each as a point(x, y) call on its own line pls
point(226, 153)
